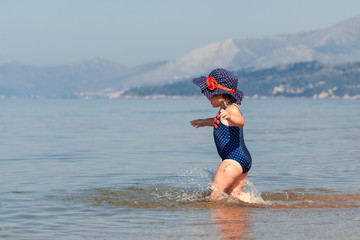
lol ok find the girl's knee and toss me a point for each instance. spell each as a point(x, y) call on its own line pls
point(226, 175)
point(221, 182)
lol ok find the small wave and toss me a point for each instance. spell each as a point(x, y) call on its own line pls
point(312, 198)
point(175, 197)
point(192, 189)
point(142, 197)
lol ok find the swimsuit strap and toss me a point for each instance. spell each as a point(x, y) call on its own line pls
point(234, 104)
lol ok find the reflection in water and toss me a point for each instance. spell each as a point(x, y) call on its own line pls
point(231, 217)
point(232, 222)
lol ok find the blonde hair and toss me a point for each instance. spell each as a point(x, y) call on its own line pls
point(226, 99)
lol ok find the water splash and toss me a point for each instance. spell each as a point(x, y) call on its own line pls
point(141, 197)
point(254, 193)
point(192, 189)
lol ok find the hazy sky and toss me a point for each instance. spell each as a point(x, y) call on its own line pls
point(131, 32)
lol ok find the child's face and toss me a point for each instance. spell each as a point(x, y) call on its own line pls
point(215, 101)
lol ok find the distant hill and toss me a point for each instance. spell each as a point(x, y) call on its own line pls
point(305, 79)
point(71, 80)
point(337, 44)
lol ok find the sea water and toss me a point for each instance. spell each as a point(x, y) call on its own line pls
point(136, 169)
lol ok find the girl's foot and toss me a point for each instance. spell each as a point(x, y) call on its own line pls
point(245, 197)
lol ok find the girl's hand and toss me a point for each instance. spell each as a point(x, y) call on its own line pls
point(225, 114)
point(197, 123)
point(232, 116)
point(201, 122)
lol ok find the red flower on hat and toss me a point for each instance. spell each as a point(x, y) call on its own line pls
point(211, 83)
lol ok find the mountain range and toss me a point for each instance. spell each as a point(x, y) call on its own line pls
point(337, 44)
point(99, 77)
point(304, 79)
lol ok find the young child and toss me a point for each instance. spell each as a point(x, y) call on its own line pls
point(220, 87)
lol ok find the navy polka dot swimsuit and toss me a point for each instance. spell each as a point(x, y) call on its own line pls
point(230, 144)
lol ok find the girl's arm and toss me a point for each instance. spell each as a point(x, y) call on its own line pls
point(232, 116)
point(202, 122)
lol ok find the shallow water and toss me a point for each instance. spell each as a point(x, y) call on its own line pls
point(136, 169)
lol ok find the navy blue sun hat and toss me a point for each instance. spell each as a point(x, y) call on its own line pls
point(220, 81)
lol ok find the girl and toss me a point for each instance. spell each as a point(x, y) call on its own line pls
point(220, 87)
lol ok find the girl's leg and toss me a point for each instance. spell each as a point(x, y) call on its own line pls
point(236, 189)
point(228, 173)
